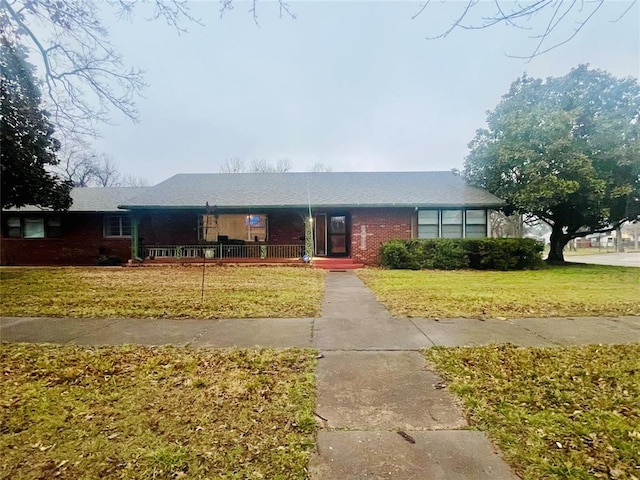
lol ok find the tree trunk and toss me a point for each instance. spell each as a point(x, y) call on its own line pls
point(619, 241)
point(557, 242)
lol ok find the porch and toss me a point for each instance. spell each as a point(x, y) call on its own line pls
point(222, 252)
point(289, 254)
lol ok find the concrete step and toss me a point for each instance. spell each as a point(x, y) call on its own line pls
point(336, 264)
point(346, 266)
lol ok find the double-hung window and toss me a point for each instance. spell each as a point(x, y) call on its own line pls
point(452, 223)
point(117, 226)
point(476, 223)
point(33, 227)
point(428, 223)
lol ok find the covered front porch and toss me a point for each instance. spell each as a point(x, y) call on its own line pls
point(230, 235)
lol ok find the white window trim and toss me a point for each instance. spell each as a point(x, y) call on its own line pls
point(105, 222)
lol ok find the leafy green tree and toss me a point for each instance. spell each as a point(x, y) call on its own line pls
point(28, 147)
point(567, 150)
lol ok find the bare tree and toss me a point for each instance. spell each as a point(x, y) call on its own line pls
point(132, 181)
point(83, 75)
point(264, 166)
point(543, 19)
point(505, 226)
point(78, 166)
point(320, 167)
point(107, 174)
point(87, 169)
point(232, 165)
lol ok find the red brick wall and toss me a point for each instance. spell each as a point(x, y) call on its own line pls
point(81, 243)
point(370, 228)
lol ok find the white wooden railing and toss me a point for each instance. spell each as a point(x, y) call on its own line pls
point(223, 251)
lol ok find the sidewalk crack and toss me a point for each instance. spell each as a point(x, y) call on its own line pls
point(422, 332)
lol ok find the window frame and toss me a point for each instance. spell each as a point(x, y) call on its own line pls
point(107, 226)
point(449, 219)
point(213, 230)
point(33, 227)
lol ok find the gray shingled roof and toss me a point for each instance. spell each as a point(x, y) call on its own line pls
point(94, 199)
point(326, 189)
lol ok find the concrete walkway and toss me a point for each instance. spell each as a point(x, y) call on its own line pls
point(626, 259)
point(383, 413)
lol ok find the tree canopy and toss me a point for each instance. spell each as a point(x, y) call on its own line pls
point(565, 149)
point(26, 134)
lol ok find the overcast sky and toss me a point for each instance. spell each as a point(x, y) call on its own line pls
point(353, 85)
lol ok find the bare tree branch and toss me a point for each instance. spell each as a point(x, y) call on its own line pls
point(525, 15)
point(264, 166)
point(232, 165)
point(84, 77)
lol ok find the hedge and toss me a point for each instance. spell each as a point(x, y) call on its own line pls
point(452, 254)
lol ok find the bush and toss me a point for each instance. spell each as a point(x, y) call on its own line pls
point(109, 261)
point(445, 254)
point(399, 254)
point(451, 254)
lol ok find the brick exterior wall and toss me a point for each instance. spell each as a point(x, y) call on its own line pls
point(82, 243)
point(371, 227)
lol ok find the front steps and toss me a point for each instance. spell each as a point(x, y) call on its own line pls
point(327, 263)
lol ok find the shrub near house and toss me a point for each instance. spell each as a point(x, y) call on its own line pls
point(452, 254)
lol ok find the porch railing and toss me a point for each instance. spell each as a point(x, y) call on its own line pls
point(223, 251)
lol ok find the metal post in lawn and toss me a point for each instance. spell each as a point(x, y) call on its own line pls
point(205, 235)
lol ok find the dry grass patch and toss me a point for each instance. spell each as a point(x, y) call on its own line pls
point(572, 290)
point(162, 292)
point(135, 412)
point(556, 413)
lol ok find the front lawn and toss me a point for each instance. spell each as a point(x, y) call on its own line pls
point(572, 290)
point(162, 292)
point(136, 412)
point(555, 413)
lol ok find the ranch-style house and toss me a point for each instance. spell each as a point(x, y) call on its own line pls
point(248, 217)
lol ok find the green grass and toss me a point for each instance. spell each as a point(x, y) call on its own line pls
point(140, 413)
point(572, 290)
point(556, 413)
point(162, 292)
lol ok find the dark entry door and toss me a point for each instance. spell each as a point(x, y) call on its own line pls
point(337, 235)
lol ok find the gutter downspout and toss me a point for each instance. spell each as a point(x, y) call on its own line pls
point(135, 254)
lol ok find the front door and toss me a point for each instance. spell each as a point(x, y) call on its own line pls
point(331, 235)
point(337, 235)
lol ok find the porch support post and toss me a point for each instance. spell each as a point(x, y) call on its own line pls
point(135, 254)
point(308, 236)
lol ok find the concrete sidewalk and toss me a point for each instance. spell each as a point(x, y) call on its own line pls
point(343, 330)
point(372, 382)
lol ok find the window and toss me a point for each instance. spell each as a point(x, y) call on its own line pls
point(251, 228)
point(33, 227)
point(117, 226)
point(14, 227)
point(428, 221)
point(54, 227)
point(476, 226)
point(450, 223)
